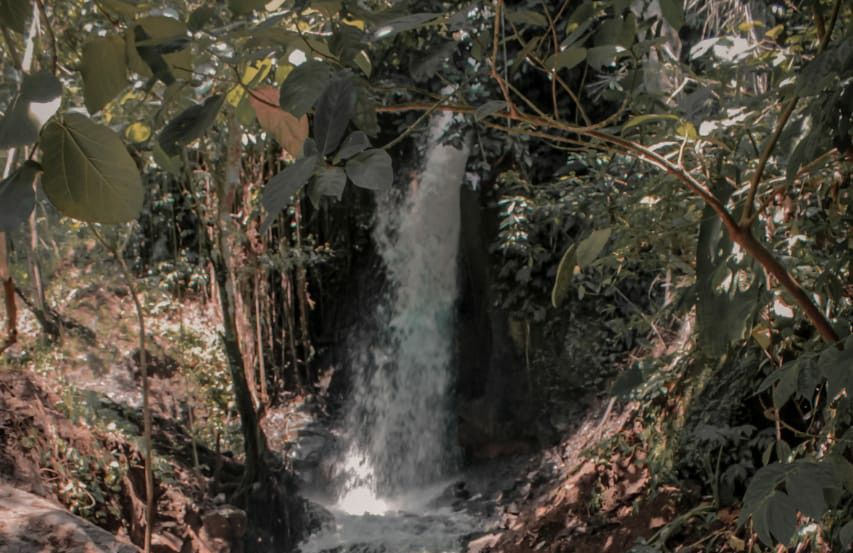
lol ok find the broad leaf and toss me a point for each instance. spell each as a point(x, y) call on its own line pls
point(335, 108)
point(199, 17)
point(14, 14)
point(126, 8)
point(17, 197)
point(37, 102)
point(723, 316)
point(489, 108)
point(88, 173)
point(159, 46)
point(190, 124)
point(246, 6)
point(289, 131)
point(590, 248)
point(673, 12)
point(845, 535)
point(104, 70)
point(365, 112)
point(603, 56)
point(405, 23)
point(355, 143)
point(279, 191)
point(331, 181)
point(303, 87)
point(371, 169)
point(563, 280)
point(834, 365)
point(567, 59)
point(527, 17)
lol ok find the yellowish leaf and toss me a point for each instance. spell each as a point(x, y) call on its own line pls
point(357, 23)
point(774, 33)
point(686, 130)
point(253, 74)
point(137, 132)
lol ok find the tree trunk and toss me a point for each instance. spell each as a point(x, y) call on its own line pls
point(253, 438)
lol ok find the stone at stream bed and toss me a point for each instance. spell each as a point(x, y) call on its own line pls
point(483, 543)
point(226, 522)
point(32, 524)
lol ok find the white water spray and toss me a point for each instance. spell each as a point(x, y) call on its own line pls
point(400, 417)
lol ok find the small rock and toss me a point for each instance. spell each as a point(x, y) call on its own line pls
point(166, 542)
point(225, 522)
point(482, 543)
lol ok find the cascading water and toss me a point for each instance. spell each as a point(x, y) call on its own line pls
point(399, 421)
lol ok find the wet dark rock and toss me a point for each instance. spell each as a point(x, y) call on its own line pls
point(226, 522)
point(317, 517)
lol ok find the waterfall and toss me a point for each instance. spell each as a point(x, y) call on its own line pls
point(399, 420)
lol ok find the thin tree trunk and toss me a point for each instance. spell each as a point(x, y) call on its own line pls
point(302, 298)
point(254, 442)
point(262, 373)
point(150, 514)
point(6, 277)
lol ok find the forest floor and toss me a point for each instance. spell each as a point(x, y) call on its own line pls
point(593, 493)
point(70, 426)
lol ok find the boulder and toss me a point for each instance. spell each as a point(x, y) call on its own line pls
point(226, 522)
point(32, 524)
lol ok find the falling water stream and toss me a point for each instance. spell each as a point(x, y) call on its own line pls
point(399, 446)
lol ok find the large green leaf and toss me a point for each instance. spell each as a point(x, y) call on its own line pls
point(280, 190)
point(723, 316)
point(600, 57)
point(673, 12)
point(563, 280)
point(590, 248)
point(88, 173)
point(37, 102)
point(365, 111)
point(14, 14)
point(371, 169)
point(246, 6)
point(190, 124)
point(104, 70)
point(404, 23)
point(17, 197)
point(834, 365)
point(303, 87)
point(527, 17)
point(329, 181)
point(335, 108)
point(159, 46)
point(845, 535)
point(355, 143)
point(126, 8)
point(567, 59)
point(774, 511)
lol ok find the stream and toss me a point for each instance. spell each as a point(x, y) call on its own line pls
point(396, 491)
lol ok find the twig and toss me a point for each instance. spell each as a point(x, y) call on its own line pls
point(143, 367)
point(50, 35)
point(13, 52)
point(410, 129)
